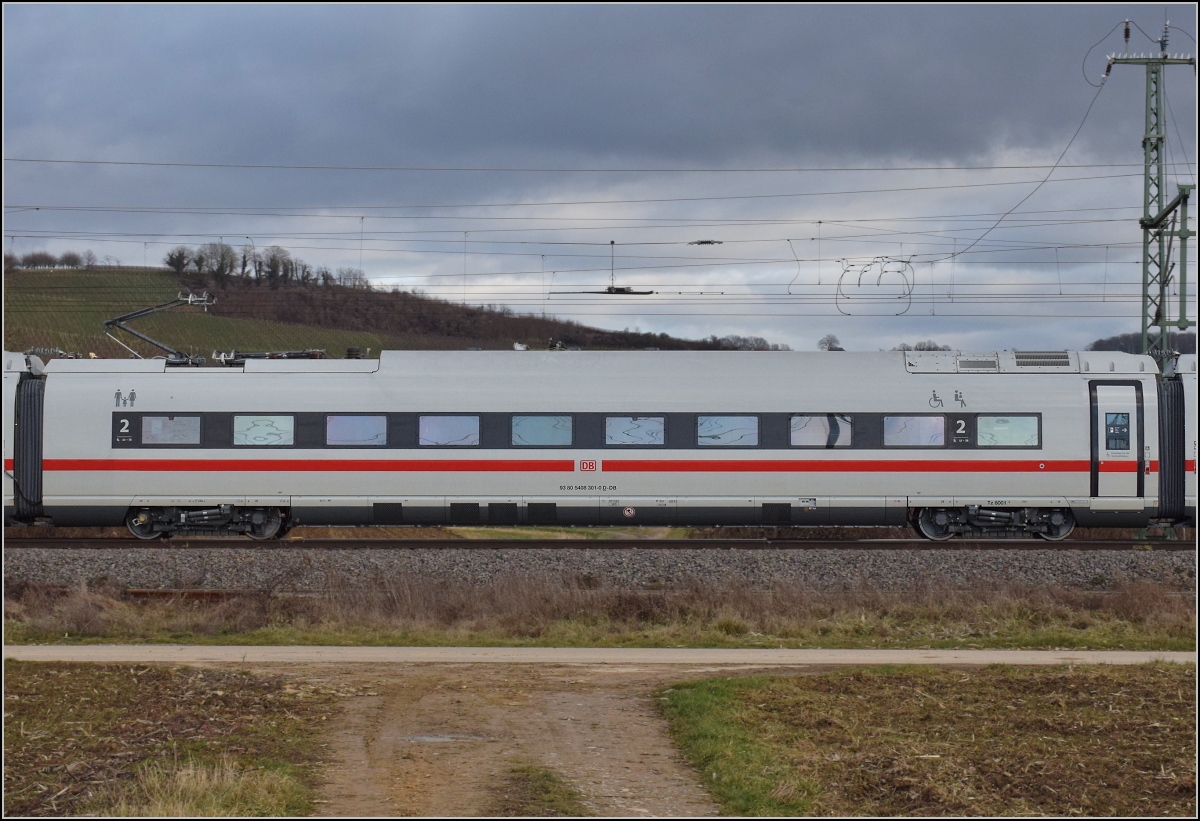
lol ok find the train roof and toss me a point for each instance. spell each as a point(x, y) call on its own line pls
point(22, 363)
point(764, 364)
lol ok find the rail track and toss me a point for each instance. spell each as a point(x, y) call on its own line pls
point(186, 543)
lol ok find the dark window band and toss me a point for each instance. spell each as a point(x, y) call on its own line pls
point(714, 432)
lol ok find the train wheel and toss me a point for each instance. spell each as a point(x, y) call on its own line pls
point(934, 524)
point(141, 524)
point(265, 524)
point(1061, 524)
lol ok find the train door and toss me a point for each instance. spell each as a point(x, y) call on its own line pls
point(1118, 439)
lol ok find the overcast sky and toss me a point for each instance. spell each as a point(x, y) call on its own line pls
point(506, 147)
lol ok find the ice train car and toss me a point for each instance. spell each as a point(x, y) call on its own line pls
point(1005, 444)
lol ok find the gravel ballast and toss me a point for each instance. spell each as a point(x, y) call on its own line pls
point(300, 569)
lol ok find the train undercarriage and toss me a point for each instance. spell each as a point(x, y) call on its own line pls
point(224, 520)
point(973, 521)
point(936, 524)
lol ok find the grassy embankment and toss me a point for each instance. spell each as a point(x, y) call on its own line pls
point(1111, 741)
point(153, 741)
point(553, 612)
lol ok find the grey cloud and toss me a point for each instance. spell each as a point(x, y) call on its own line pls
point(575, 86)
point(710, 85)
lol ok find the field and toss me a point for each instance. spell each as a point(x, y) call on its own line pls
point(998, 741)
point(154, 741)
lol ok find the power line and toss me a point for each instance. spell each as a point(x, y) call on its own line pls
point(392, 236)
point(549, 170)
point(1048, 174)
point(233, 210)
point(648, 200)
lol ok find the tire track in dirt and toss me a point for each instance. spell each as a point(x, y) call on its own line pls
point(439, 740)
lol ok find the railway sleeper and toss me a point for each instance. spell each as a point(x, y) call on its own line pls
point(973, 521)
point(223, 520)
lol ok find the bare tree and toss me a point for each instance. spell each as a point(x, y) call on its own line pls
point(11, 263)
point(829, 342)
point(111, 261)
point(353, 278)
point(89, 259)
point(750, 343)
point(70, 259)
point(927, 345)
point(218, 259)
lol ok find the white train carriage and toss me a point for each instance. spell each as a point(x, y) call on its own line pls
point(1005, 443)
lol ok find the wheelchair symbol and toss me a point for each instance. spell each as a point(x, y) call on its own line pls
point(935, 401)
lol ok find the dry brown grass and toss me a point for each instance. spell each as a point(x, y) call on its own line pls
point(552, 611)
point(208, 790)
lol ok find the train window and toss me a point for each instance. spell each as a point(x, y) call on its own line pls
point(1116, 426)
point(830, 430)
point(914, 431)
point(449, 431)
point(1007, 432)
point(546, 431)
point(634, 430)
point(170, 430)
point(264, 430)
point(718, 431)
point(356, 431)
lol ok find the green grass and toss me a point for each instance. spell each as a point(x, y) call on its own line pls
point(739, 765)
point(120, 740)
point(1079, 740)
point(536, 792)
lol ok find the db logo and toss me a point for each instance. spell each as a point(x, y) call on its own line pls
point(587, 464)
point(629, 512)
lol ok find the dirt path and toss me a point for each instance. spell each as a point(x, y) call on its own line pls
point(588, 656)
point(438, 740)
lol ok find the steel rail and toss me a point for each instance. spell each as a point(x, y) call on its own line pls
point(231, 543)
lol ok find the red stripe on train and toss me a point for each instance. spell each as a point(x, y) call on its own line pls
point(310, 465)
point(848, 466)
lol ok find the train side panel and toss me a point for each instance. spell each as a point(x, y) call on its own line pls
point(97, 467)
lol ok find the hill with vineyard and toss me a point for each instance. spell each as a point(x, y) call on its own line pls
point(65, 308)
